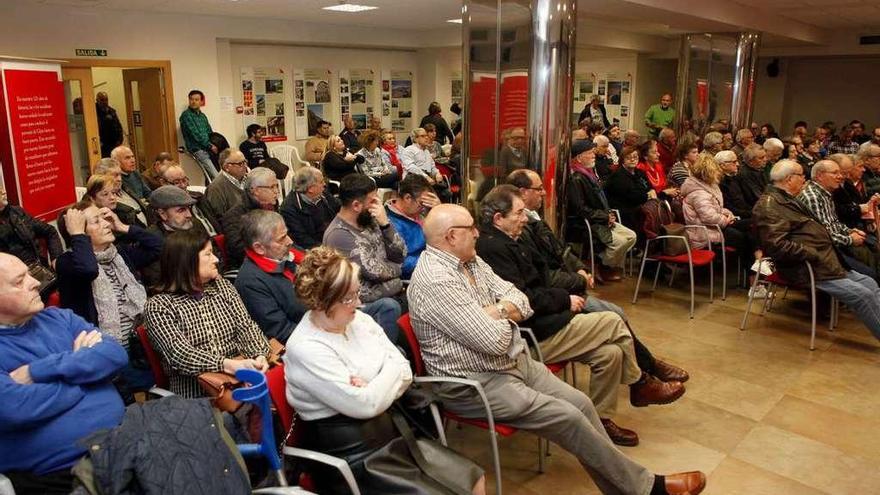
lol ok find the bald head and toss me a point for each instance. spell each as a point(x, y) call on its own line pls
point(440, 219)
point(19, 294)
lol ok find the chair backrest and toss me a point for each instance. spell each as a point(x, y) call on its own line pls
point(220, 241)
point(654, 216)
point(278, 392)
point(284, 153)
point(256, 392)
point(152, 358)
point(406, 326)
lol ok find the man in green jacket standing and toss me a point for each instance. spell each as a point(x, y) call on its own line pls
point(660, 115)
point(196, 131)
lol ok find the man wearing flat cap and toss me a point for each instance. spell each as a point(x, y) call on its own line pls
point(587, 203)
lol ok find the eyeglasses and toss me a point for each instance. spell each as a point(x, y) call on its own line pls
point(539, 188)
point(178, 182)
point(273, 187)
point(352, 298)
point(238, 164)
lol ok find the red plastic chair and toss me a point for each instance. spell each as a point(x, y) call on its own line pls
point(54, 300)
point(488, 423)
point(220, 240)
point(161, 388)
point(278, 393)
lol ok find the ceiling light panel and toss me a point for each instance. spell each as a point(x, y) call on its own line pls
point(349, 7)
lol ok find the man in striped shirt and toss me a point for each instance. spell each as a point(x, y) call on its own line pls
point(463, 315)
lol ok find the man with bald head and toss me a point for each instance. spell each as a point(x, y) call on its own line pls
point(55, 379)
point(109, 127)
point(132, 181)
point(462, 314)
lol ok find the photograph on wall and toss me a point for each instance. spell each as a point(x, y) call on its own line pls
point(457, 90)
point(315, 97)
point(263, 95)
point(613, 92)
point(358, 95)
point(360, 120)
point(617, 95)
point(401, 89)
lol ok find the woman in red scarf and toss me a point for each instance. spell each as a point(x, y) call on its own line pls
point(389, 144)
point(649, 162)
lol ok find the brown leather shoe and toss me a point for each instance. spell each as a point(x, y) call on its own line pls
point(620, 436)
point(689, 483)
point(666, 372)
point(650, 390)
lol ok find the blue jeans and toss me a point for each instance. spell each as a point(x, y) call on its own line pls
point(204, 160)
point(385, 311)
point(861, 294)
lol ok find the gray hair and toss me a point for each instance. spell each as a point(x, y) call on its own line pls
point(632, 132)
point(773, 143)
point(712, 139)
point(104, 165)
point(666, 132)
point(305, 177)
point(259, 226)
point(415, 132)
point(225, 154)
point(784, 169)
point(260, 176)
point(822, 166)
point(840, 158)
point(499, 200)
point(725, 156)
point(600, 140)
point(865, 151)
point(740, 134)
point(751, 152)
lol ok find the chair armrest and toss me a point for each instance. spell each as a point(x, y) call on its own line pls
point(527, 332)
point(329, 460)
point(490, 418)
point(160, 392)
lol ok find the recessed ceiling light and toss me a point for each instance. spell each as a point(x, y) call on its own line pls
point(454, 21)
point(350, 7)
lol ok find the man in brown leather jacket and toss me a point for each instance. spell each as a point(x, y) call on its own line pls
point(790, 235)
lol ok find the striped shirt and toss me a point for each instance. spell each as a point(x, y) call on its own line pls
point(457, 337)
point(195, 333)
point(818, 201)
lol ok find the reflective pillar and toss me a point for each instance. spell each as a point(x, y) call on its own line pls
point(518, 58)
point(742, 100)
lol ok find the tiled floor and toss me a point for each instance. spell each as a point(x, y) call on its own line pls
point(762, 414)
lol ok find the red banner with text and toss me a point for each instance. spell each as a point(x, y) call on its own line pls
point(40, 175)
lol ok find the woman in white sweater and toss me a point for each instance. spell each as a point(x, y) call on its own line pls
point(343, 375)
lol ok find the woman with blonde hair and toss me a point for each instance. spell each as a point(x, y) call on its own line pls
point(337, 161)
point(103, 192)
point(343, 377)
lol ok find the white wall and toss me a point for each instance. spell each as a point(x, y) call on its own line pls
point(656, 76)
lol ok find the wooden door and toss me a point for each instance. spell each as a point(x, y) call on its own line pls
point(146, 108)
point(82, 120)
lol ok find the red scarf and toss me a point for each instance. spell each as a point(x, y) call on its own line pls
point(655, 175)
point(395, 160)
point(269, 265)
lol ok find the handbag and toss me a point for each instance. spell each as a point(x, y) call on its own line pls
point(674, 247)
point(219, 385)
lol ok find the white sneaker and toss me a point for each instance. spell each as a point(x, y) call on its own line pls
point(759, 292)
point(766, 267)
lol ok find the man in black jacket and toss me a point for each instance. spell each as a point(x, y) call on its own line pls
point(20, 234)
point(596, 111)
point(751, 178)
point(261, 192)
point(310, 209)
point(600, 340)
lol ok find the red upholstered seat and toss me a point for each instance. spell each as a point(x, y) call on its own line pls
point(700, 257)
point(54, 300)
point(775, 278)
point(152, 358)
point(557, 367)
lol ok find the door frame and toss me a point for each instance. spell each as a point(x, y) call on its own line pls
point(90, 119)
point(164, 65)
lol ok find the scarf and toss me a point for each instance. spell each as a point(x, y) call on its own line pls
point(395, 160)
point(268, 265)
point(108, 309)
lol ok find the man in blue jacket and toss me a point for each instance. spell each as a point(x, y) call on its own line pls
point(415, 197)
point(55, 372)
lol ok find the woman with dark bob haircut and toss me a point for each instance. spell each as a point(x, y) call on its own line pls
point(343, 375)
point(197, 320)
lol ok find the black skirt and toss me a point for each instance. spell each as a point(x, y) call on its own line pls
point(382, 460)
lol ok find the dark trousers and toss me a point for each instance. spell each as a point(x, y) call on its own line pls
point(54, 483)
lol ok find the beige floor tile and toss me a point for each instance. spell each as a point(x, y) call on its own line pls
point(735, 477)
point(732, 394)
point(809, 462)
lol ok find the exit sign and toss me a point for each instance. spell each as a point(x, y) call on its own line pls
point(90, 52)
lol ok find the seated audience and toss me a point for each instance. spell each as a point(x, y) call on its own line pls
point(686, 154)
point(261, 193)
point(407, 211)
point(343, 377)
point(20, 236)
point(587, 202)
point(197, 322)
point(628, 188)
point(310, 209)
point(513, 153)
point(727, 139)
point(703, 204)
point(254, 149)
point(744, 138)
point(376, 161)
point(98, 279)
point(361, 230)
point(858, 132)
point(174, 175)
point(101, 191)
point(654, 170)
point(394, 150)
point(338, 161)
point(844, 143)
point(800, 129)
point(854, 207)
point(349, 134)
point(444, 133)
point(851, 243)
point(666, 146)
point(791, 235)
point(265, 280)
point(869, 156)
point(227, 190)
point(153, 174)
point(774, 148)
point(317, 144)
point(751, 178)
point(602, 150)
point(132, 181)
point(600, 340)
point(417, 159)
point(108, 166)
point(729, 185)
point(713, 143)
point(55, 378)
point(809, 153)
point(461, 313)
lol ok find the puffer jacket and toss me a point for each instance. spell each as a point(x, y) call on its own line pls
point(703, 205)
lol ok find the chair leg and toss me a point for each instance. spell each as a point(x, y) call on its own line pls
point(768, 301)
point(672, 275)
point(540, 455)
point(656, 276)
point(691, 267)
point(496, 460)
point(742, 326)
point(639, 281)
point(813, 325)
point(723, 275)
point(832, 322)
point(574, 376)
point(711, 282)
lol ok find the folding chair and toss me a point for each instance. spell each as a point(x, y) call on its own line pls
point(161, 387)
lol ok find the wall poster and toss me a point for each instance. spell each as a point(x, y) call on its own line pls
point(397, 100)
point(584, 89)
point(457, 88)
point(263, 96)
point(311, 100)
point(615, 91)
point(357, 95)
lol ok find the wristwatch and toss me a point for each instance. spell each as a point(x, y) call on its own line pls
point(502, 310)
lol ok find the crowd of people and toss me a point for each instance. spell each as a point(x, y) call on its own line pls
point(220, 280)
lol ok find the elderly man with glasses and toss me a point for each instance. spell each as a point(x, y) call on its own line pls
point(227, 191)
point(261, 193)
